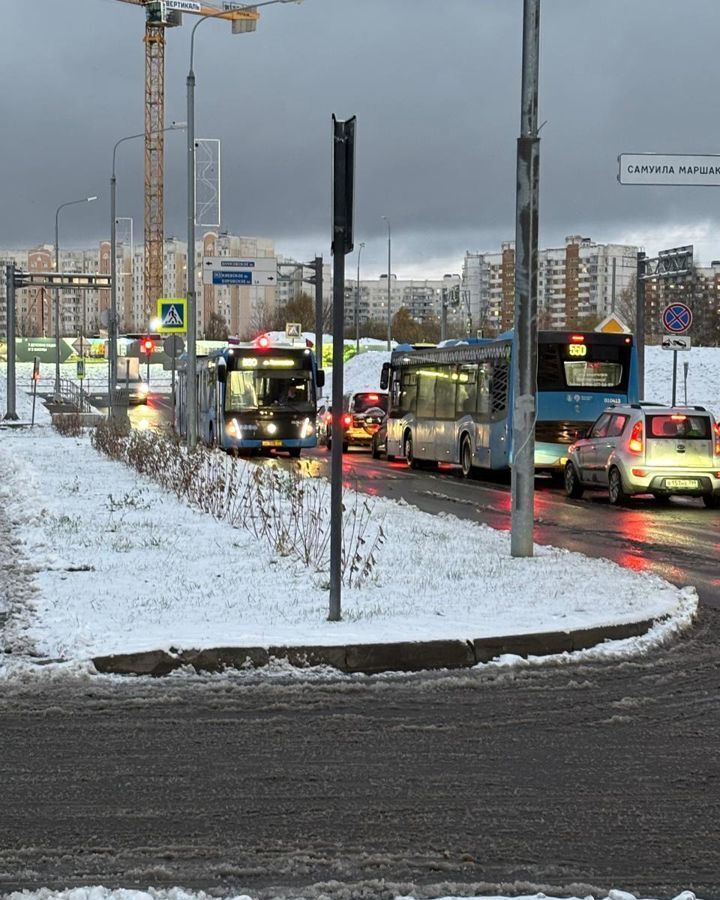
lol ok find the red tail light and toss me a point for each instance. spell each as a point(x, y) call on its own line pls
point(373, 397)
point(263, 341)
point(716, 429)
point(346, 420)
point(636, 438)
point(577, 338)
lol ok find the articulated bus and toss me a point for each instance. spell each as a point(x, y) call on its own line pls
point(253, 398)
point(454, 403)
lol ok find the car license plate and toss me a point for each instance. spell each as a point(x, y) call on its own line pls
point(681, 483)
point(272, 443)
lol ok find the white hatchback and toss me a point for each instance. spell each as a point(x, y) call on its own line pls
point(647, 448)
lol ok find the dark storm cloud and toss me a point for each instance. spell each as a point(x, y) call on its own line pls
point(435, 87)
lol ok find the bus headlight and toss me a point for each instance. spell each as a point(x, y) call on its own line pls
point(306, 429)
point(233, 428)
point(271, 428)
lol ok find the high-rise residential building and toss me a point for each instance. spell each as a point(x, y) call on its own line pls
point(423, 298)
point(578, 284)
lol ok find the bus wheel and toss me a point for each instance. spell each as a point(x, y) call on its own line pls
point(294, 452)
point(408, 451)
point(466, 457)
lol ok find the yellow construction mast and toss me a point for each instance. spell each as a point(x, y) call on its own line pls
point(159, 15)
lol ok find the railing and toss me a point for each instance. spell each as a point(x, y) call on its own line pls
point(71, 393)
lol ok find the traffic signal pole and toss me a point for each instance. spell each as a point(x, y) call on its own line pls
point(11, 413)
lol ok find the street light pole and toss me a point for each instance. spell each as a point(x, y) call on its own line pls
point(389, 313)
point(57, 290)
point(113, 318)
point(192, 418)
point(357, 300)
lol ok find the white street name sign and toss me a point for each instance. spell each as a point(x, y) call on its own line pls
point(669, 168)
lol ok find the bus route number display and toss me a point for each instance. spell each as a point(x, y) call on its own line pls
point(577, 350)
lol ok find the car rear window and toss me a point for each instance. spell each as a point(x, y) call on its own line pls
point(685, 427)
point(363, 402)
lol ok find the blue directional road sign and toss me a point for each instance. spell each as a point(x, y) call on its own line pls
point(232, 277)
point(677, 318)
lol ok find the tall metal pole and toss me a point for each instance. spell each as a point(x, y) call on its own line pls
point(524, 361)
point(318, 265)
point(11, 413)
point(357, 300)
point(112, 324)
point(640, 322)
point(57, 290)
point(57, 307)
point(192, 314)
point(389, 313)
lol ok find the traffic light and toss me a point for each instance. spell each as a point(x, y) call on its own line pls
point(148, 345)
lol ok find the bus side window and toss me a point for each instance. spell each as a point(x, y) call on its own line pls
point(426, 393)
point(408, 391)
point(445, 391)
point(484, 381)
point(467, 390)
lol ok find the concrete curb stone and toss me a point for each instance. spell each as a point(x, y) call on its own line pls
point(370, 659)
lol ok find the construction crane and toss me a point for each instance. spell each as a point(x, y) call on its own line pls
point(159, 15)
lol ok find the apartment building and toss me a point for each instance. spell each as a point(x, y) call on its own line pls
point(578, 284)
point(423, 298)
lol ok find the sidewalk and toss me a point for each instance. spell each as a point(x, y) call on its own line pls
point(129, 579)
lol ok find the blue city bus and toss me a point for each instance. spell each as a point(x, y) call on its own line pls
point(453, 403)
point(254, 398)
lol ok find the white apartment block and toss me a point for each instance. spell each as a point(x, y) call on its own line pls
point(423, 298)
point(578, 283)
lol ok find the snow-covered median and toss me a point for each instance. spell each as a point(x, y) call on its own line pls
point(122, 566)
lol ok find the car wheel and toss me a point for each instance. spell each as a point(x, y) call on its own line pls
point(374, 449)
point(466, 457)
point(345, 447)
point(573, 486)
point(408, 451)
point(616, 491)
point(711, 501)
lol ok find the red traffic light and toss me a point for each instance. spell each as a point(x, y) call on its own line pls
point(148, 345)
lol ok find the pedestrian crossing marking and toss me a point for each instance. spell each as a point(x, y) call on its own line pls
point(172, 314)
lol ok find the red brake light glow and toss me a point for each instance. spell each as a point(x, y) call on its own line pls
point(373, 397)
point(716, 429)
point(678, 418)
point(577, 338)
point(263, 341)
point(636, 439)
point(347, 419)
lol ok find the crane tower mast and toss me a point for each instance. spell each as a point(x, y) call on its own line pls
point(162, 14)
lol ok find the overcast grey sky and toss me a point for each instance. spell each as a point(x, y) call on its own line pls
point(435, 85)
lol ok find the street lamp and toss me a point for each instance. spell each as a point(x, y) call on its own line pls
point(389, 314)
point(357, 301)
point(112, 323)
point(57, 290)
point(191, 301)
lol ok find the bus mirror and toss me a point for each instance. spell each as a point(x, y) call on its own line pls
point(385, 376)
point(221, 371)
point(321, 378)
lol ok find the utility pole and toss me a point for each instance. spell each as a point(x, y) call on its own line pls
point(319, 317)
point(357, 300)
point(11, 413)
point(524, 357)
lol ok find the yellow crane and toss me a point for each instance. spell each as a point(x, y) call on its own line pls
point(159, 15)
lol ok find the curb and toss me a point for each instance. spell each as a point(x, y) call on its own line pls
point(370, 659)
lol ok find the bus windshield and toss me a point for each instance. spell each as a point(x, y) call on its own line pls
point(249, 390)
point(591, 366)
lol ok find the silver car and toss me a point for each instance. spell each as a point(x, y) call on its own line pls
point(647, 448)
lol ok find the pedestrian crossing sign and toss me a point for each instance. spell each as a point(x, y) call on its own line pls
point(172, 314)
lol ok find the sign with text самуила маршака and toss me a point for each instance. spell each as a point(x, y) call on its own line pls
point(669, 168)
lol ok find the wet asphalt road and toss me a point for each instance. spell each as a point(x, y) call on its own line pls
point(579, 777)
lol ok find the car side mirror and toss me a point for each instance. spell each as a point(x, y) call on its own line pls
point(221, 371)
point(321, 378)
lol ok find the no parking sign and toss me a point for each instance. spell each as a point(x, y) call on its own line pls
point(677, 318)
